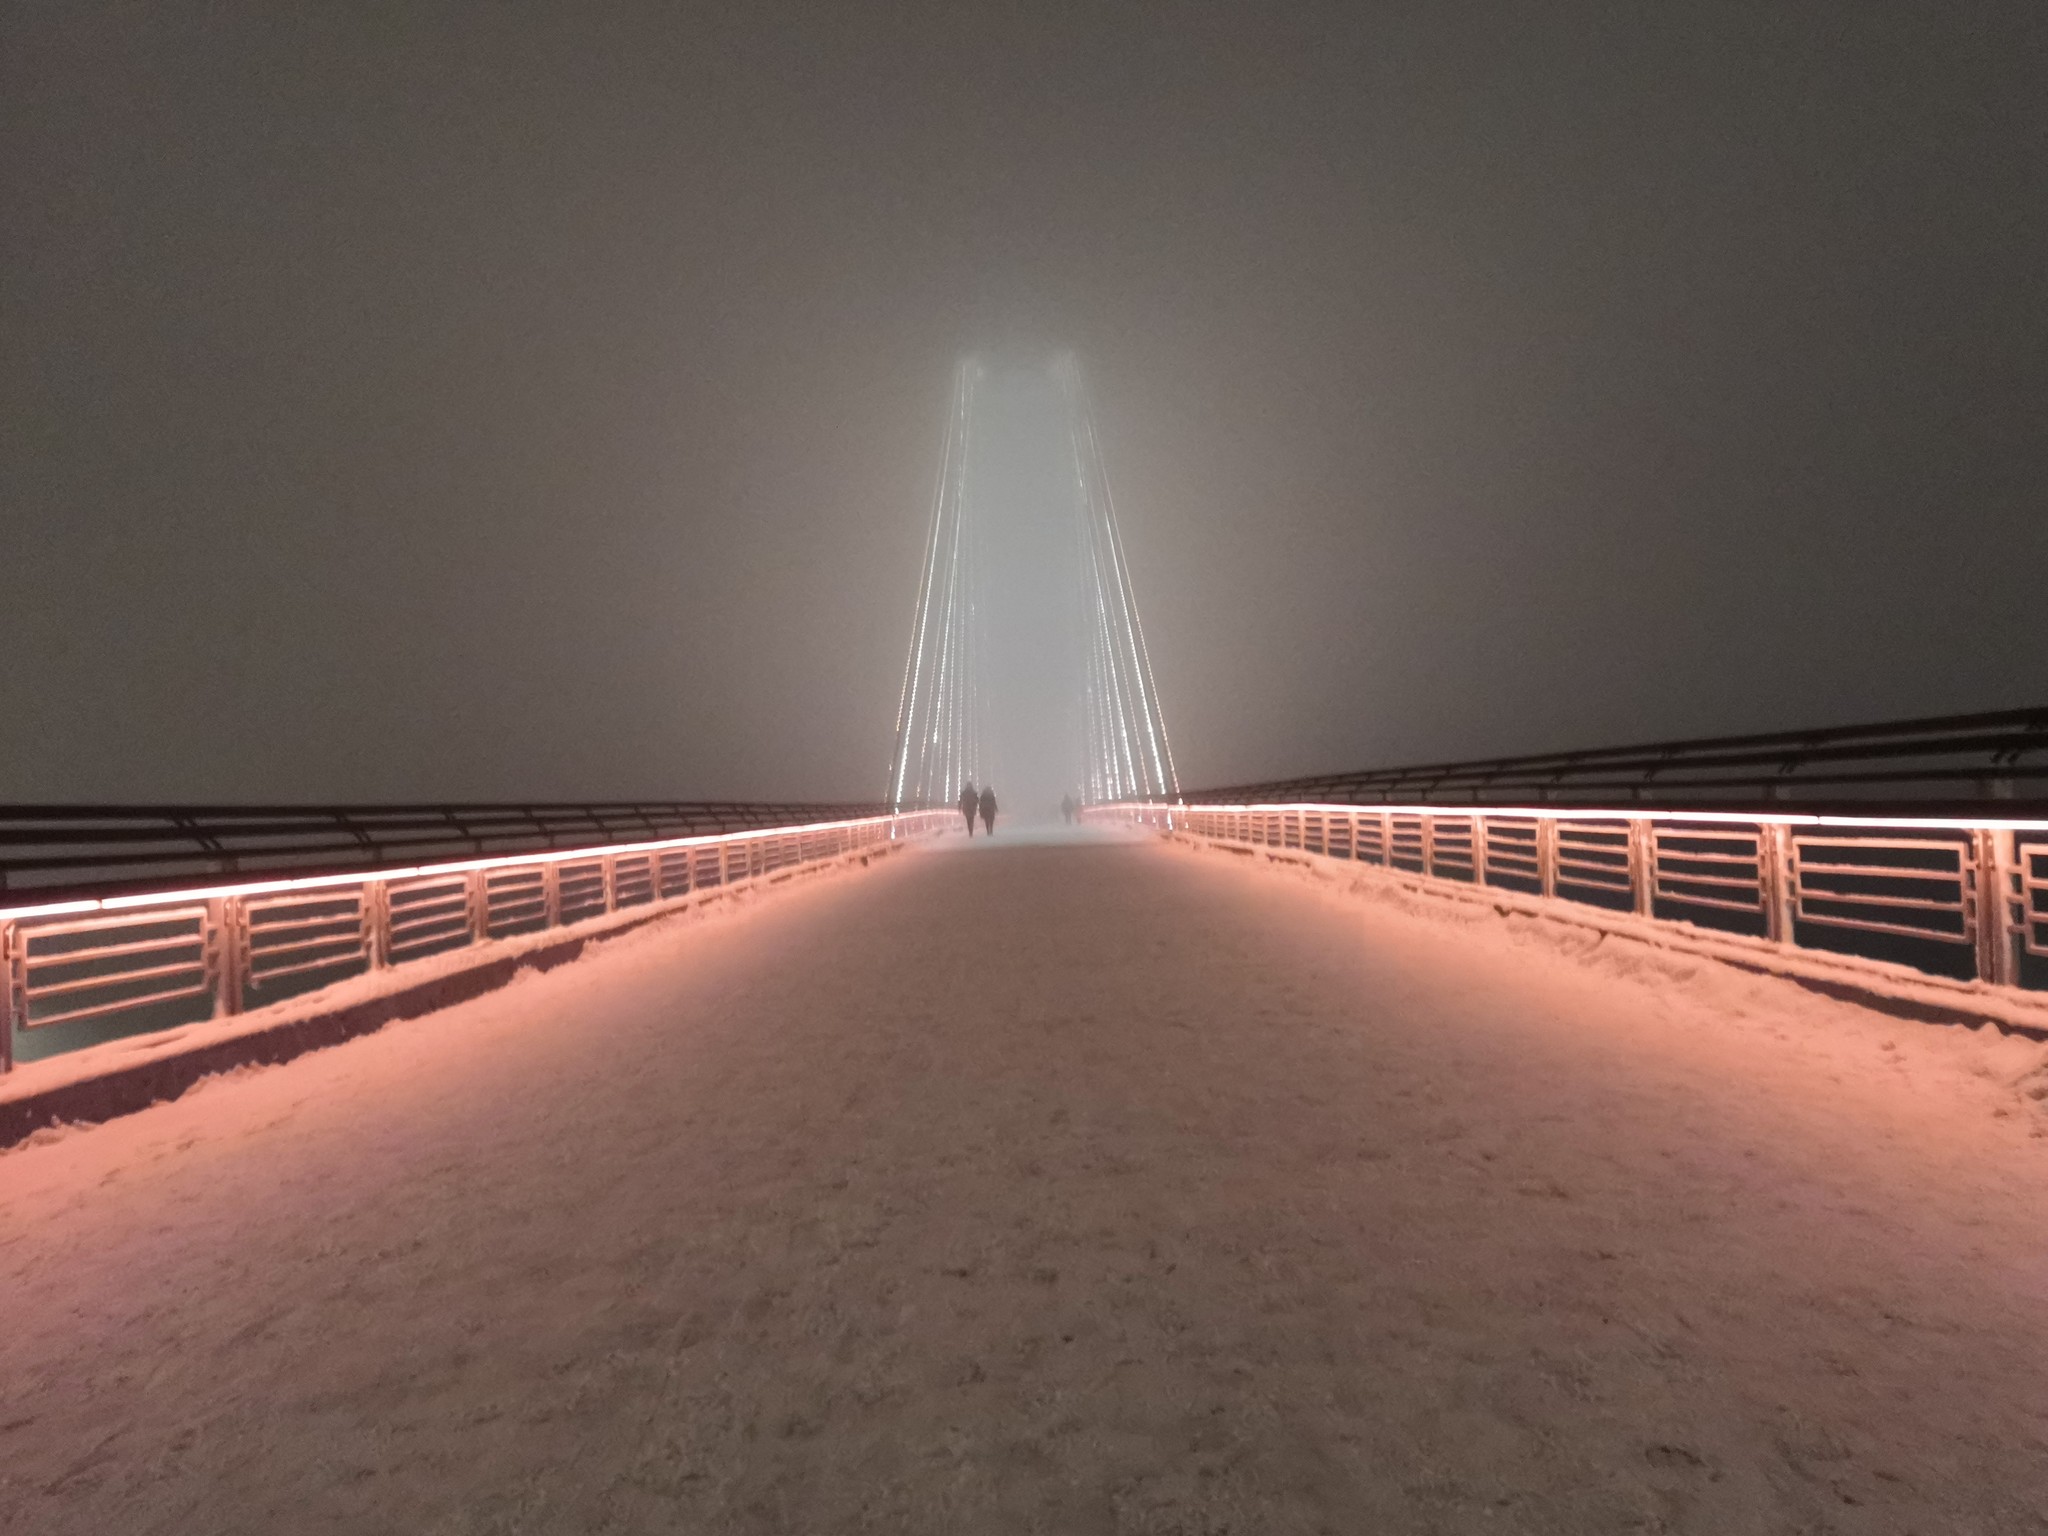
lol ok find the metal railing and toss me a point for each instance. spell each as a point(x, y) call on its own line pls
point(72, 850)
point(1947, 761)
point(277, 919)
point(1963, 897)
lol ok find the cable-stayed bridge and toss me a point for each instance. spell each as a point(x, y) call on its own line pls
point(1555, 1143)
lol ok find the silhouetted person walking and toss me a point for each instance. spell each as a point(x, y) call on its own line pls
point(988, 813)
point(969, 801)
point(1067, 809)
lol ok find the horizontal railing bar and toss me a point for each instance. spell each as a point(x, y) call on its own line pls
point(433, 899)
point(418, 922)
point(151, 917)
point(293, 900)
point(1808, 868)
point(34, 962)
point(326, 963)
point(265, 961)
point(118, 1005)
point(263, 935)
point(1715, 902)
point(113, 979)
point(2025, 728)
point(1889, 903)
point(1902, 930)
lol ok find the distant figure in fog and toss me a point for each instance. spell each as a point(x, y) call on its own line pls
point(969, 801)
point(1067, 809)
point(988, 813)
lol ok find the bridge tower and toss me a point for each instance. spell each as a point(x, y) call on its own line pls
point(1023, 490)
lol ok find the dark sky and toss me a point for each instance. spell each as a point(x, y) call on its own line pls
point(421, 401)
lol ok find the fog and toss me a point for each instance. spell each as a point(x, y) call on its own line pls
point(510, 402)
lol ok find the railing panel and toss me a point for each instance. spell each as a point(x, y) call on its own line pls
point(1592, 862)
point(710, 866)
point(1512, 859)
point(582, 888)
point(1405, 843)
point(1337, 834)
point(1370, 840)
point(75, 969)
point(1911, 887)
point(515, 900)
point(300, 935)
point(1706, 868)
point(1451, 848)
point(672, 873)
point(632, 879)
point(427, 915)
point(2034, 897)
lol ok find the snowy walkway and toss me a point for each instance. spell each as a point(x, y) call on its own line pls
point(1064, 1188)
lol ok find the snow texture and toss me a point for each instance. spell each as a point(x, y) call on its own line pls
point(1090, 1186)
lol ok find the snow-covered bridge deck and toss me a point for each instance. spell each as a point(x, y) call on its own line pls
point(1067, 1186)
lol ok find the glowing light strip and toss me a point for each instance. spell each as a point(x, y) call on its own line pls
point(416, 871)
point(1644, 813)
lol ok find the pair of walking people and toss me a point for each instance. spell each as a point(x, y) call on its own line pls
point(985, 802)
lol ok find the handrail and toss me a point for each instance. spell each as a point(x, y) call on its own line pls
point(1964, 897)
point(1953, 760)
point(60, 851)
point(124, 956)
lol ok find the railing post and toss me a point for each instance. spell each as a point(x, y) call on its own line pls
point(1546, 854)
point(377, 922)
point(1478, 849)
point(1774, 850)
point(1642, 865)
point(227, 942)
point(551, 892)
point(12, 989)
point(1996, 961)
point(479, 905)
point(1428, 843)
point(608, 867)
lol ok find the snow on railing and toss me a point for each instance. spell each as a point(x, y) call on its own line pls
point(1963, 897)
point(159, 959)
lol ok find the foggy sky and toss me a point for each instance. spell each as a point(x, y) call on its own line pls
point(424, 401)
